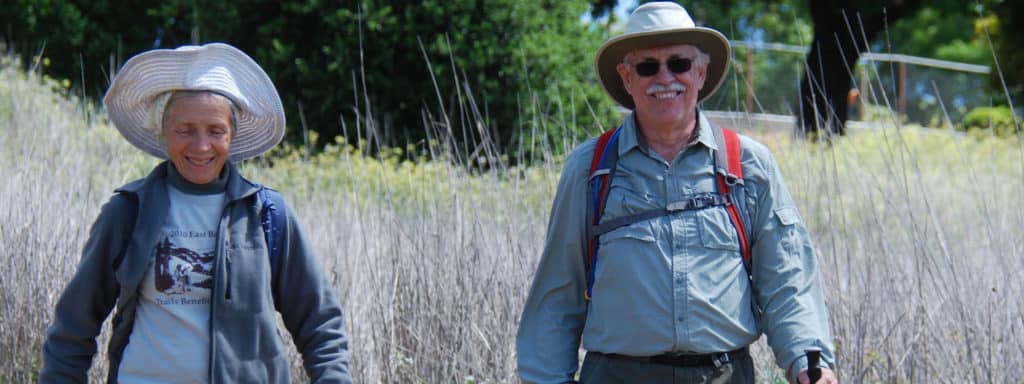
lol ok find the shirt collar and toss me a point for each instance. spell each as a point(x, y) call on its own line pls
point(630, 135)
point(705, 135)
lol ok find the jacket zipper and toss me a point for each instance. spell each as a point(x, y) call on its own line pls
point(226, 250)
point(227, 275)
point(224, 246)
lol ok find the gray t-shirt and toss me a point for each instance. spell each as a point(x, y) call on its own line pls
point(170, 340)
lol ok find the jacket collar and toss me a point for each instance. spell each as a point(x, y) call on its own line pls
point(237, 186)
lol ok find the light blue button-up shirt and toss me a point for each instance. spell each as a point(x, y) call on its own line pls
point(675, 283)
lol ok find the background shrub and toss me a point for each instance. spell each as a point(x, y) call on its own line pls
point(998, 119)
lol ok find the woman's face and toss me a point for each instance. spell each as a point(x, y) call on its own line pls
point(197, 129)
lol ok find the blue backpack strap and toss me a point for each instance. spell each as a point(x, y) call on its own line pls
point(274, 220)
point(602, 168)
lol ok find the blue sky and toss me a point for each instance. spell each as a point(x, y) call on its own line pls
point(621, 11)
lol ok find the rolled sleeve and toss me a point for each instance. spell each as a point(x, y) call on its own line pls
point(548, 339)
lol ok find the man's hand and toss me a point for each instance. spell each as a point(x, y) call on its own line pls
point(827, 377)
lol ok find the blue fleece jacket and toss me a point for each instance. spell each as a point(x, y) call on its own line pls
point(245, 346)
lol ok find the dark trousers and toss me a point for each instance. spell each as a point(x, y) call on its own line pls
point(602, 369)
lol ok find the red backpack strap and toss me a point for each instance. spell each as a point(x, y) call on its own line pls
point(729, 153)
point(602, 168)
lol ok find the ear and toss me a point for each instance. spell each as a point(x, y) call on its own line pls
point(623, 74)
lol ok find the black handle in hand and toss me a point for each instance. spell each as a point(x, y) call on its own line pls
point(813, 361)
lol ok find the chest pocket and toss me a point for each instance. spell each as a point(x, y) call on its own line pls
point(636, 233)
point(623, 201)
point(716, 229)
point(248, 274)
point(628, 194)
point(622, 248)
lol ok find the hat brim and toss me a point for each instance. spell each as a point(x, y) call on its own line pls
point(709, 40)
point(221, 68)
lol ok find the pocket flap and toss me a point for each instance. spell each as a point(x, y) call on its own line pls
point(788, 215)
point(637, 231)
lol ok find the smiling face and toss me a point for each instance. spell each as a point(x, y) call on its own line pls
point(197, 127)
point(666, 98)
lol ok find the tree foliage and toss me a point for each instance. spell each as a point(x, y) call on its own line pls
point(487, 64)
point(774, 74)
point(1006, 32)
point(945, 29)
point(506, 69)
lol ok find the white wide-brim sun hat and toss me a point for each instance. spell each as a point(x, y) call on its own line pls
point(217, 67)
point(659, 24)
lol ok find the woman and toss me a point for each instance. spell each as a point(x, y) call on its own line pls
point(183, 252)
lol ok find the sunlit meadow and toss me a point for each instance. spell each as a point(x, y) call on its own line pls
point(920, 235)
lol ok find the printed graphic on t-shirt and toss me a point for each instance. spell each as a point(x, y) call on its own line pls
point(178, 270)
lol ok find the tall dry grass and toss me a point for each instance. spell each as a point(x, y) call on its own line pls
point(921, 242)
point(430, 273)
point(919, 236)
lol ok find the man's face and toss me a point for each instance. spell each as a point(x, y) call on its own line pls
point(665, 96)
point(197, 130)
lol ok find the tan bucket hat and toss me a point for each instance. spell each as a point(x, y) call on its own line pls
point(216, 67)
point(658, 24)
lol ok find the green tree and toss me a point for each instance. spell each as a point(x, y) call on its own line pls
point(77, 40)
point(838, 31)
point(843, 30)
point(501, 67)
point(1005, 31)
point(946, 30)
point(774, 73)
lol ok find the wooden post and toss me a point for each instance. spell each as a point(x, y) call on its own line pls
point(750, 81)
point(862, 103)
point(902, 103)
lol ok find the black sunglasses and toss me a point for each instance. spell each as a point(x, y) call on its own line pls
point(650, 67)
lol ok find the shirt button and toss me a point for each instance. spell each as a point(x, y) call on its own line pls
point(680, 318)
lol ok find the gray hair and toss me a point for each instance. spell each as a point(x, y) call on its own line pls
point(158, 109)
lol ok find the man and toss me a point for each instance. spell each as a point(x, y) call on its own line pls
point(668, 298)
